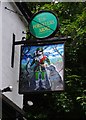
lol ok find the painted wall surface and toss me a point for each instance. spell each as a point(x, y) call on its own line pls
point(0, 47)
point(0, 64)
point(11, 23)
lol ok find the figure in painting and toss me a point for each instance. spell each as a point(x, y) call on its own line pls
point(39, 62)
point(43, 73)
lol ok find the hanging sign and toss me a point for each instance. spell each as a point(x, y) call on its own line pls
point(43, 24)
point(41, 68)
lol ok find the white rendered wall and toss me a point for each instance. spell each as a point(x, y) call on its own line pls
point(11, 23)
point(0, 63)
point(0, 47)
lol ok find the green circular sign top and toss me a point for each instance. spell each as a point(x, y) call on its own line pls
point(43, 24)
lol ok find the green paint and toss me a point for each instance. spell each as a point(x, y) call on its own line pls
point(43, 25)
point(43, 75)
point(36, 75)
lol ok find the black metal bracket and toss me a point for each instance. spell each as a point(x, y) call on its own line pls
point(23, 42)
point(36, 41)
point(13, 11)
point(13, 49)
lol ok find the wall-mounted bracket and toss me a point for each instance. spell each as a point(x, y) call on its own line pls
point(13, 48)
point(36, 41)
point(23, 42)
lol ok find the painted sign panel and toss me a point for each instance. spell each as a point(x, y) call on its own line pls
point(43, 24)
point(42, 68)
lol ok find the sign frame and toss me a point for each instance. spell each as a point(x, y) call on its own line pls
point(40, 24)
point(25, 89)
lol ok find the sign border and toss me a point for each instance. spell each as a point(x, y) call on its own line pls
point(55, 31)
point(44, 91)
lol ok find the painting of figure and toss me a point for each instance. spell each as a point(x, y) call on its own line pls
point(42, 68)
